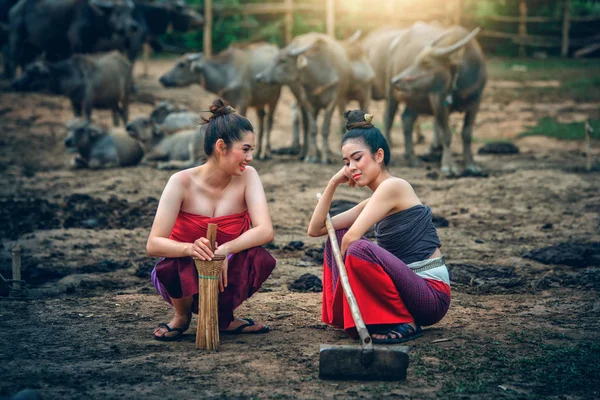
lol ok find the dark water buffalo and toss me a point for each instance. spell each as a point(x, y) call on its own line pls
point(317, 70)
point(232, 75)
point(60, 28)
point(436, 71)
point(99, 148)
point(90, 81)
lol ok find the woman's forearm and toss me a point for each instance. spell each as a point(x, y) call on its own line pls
point(316, 227)
point(165, 247)
point(256, 236)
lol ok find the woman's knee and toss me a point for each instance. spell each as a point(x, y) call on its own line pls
point(359, 248)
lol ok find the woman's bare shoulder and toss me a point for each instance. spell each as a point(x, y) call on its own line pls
point(395, 184)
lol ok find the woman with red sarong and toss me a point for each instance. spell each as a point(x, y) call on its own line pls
point(401, 282)
point(225, 191)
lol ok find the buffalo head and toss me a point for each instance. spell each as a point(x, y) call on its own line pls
point(183, 18)
point(184, 72)
point(289, 63)
point(36, 76)
point(434, 68)
point(81, 134)
point(144, 130)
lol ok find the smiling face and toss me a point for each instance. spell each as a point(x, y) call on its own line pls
point(362, 165)
point(235, 159)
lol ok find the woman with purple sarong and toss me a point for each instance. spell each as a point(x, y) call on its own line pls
point(225, 191)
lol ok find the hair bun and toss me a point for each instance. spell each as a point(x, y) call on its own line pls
point(358, 119)
point(221, 107)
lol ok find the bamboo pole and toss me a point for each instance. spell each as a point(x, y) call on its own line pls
point(289, 20)
point(566, 26)
point(330, 18)
point(522, 26)
point(588, 145)
point(208, 21)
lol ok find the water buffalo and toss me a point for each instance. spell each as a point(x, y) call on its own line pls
point(317, 70)
point(179, 150)
point(436, 71)
point(100, 149)
point(172, 118)
point(60, 28)
point(90, 81)
point(232, 75)
point(359, 87)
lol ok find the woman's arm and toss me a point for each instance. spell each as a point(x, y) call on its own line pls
point(262, 227)
point(159, 244)
point(392, 194)
point(316, 226)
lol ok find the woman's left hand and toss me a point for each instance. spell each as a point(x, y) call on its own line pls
point(224, 267)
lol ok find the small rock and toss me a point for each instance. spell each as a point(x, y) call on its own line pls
point(498, 148)
point(547, 226)
point(479, 241)
point(294, 245)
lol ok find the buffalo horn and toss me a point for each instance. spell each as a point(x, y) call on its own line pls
point(444, 51)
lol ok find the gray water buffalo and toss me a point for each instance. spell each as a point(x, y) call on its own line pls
point(60, 28)
point(317, 70)
point(436, 71)
point(172, 118)
point(98, 148)
point(231, 74)
point(179, 150)
point(90, 81)
point(359, 87)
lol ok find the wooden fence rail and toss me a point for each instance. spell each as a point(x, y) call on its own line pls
point(385, 12)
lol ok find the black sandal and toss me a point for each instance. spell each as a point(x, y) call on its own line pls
point(399, 334)
point(173, 338)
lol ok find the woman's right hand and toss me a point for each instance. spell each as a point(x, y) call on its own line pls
point(200, 249)
point(343, 176)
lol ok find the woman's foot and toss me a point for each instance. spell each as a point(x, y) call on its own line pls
point(174, 329)
point(245, 325)
point(397, 333)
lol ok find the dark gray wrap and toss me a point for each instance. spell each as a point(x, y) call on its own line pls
point(409, 234)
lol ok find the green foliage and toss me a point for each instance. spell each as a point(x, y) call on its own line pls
point(547, 126)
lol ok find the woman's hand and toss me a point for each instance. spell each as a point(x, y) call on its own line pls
point(200, 249)
point(224, 267)
point(343, 176)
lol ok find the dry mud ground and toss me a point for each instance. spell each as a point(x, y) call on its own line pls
point(517, 327)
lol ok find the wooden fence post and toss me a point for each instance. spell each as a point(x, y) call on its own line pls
point(289, 20)
point(330, 18)
point(522, 26)
point(566, 26)
point(459, 6)
point(208, 20)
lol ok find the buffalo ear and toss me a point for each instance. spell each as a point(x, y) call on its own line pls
point(301, 62)
point(347, 113)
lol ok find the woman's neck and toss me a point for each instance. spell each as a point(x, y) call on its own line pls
point(380, 178)
point(214, 176)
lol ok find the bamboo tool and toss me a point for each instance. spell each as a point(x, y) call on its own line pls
point(207, 332)
point(366, 362)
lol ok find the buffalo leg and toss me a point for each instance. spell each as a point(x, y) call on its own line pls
point(441, 113)
point(327, 154)
point(296, 115)
point(467, 137)
point(391, 108)
point(305, 133)
point(270, 117)
point(115, 115)
point(77, 108)
point(260, 112)
point(409, 118)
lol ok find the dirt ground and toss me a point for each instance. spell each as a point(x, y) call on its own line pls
point(523, 245)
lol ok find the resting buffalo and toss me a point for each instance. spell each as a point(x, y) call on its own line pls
point(60, 28)
point(232, 75)
point(100, 149)
point(100, 81)
point(436, 71)
point(317, 70)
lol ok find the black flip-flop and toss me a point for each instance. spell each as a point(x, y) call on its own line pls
point(240, 329)
point(407, 332)
point(173, 338)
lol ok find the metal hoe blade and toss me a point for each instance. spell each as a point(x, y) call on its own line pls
point(348, 362)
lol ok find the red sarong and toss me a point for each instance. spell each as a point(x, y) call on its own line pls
point(247, 270)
